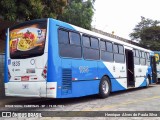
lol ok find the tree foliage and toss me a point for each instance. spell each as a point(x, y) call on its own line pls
point(8, 9)
point(76, 12)
point(147, 32)
point(22, 10)
point(79, 13)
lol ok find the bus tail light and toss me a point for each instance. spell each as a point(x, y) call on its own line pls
point(44, 73)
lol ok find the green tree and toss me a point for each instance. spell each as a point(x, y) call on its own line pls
point(29, 9)
point(147, 32)
point(79, 13)
point(150, 37)
point(21, 10)
point(8, 9)
point(54, 8)
point(144, 23)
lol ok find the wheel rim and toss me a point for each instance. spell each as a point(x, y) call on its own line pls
point(105, 87)
point(147, 80)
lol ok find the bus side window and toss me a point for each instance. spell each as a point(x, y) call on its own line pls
point(63, 37)
point(134, 53)
point(143, 54)
point(86, 41)
point(69, 44)
point(142, 58)
point(121, 49)
point(136, 57)
point(109, 46)
point(147, 55)
point(90, 48)
point(119, 53)
point(94, 43)
point(106, 51)
point(137, 53)
point(103, 45)
point(115, 46)
point(140, 54)
point(74, 38)
point(147, 59)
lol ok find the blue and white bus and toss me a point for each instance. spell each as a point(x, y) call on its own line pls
point(53, 59)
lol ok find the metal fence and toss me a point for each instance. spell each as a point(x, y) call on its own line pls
point(1, 74)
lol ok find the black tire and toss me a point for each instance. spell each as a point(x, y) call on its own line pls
point(104, 87)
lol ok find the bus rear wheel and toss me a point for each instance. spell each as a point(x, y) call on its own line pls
point(104, 87)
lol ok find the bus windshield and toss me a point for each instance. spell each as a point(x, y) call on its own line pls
point(27, 40)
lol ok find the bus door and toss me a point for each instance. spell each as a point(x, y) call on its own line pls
point(154, 69)
point(130, 68)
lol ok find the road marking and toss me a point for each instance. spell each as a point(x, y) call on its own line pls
point(120, 104)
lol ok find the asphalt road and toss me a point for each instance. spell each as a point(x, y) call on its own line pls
point(141, 99)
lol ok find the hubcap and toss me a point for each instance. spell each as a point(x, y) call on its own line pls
point(147, 80)
point(105, 87)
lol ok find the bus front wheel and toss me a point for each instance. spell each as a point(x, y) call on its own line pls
point(104, 87)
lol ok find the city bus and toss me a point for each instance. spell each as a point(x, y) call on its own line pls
point(53, 59)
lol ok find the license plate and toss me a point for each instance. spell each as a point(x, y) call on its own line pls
point(24, 78)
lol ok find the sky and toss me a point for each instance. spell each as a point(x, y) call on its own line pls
point(121, 16)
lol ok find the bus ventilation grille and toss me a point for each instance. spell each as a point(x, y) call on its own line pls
point(66, 81)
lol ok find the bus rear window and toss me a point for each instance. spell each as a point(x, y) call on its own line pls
point(27, 40)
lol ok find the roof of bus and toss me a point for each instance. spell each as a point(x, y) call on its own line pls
point(156, 52)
